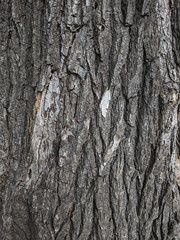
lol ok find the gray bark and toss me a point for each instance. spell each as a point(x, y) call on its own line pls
point(89, 119)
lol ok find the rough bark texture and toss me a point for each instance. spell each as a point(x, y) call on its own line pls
point(89, 140)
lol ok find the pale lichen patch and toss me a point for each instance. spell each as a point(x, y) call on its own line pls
point(104, 105)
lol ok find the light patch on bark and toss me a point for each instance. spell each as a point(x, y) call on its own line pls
point(177, 170)
point(86, 123)
point(104, 105)
point(115, 143)
point(174, 97)
point(44, 131)
point(87, 3)
point(111, 150)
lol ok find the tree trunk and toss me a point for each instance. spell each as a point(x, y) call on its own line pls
point(89, 140)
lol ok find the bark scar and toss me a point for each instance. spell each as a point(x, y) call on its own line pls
point(35, 110)
point(70, 207)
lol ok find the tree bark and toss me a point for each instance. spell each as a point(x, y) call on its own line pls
point(89, 119)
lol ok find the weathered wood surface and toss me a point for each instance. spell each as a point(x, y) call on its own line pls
point(89, 96)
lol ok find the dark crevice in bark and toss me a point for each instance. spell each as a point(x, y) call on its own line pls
point(164, 191)
point(71, 223)
point(175, 25)
point(139, 5)
point(60, 228)
point(170, 228)
point(9, 74)
point(103, 142)
point(31, 222)
point(161, 226)
point(93, 87)
point(93, 191)
point(82, 222)
point(112, 53)
point(154, 229)
point(126, 190)
point(56, 146)
point(93, 140)
point(65, 65)
point(60, 38)
point(146, 177)
point(160, 114)
point(113, 211)
point(178, 133)
point(96, 43)
point(95, 218)
point(140, 115)
point(124, 5)
point(19, 229)
point(43, 33)
point(95, 5)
